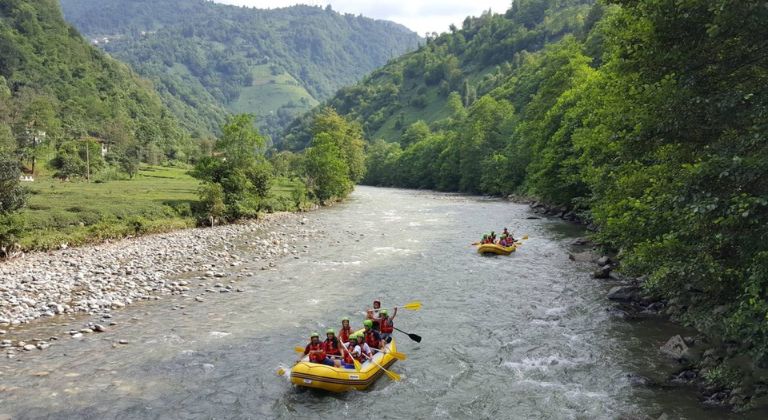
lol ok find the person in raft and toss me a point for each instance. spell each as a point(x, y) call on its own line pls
point(369, 315)
point(365, 349)
point(508, 236)
point(386, 326)
point(345, 330)
point(372, 337)
point(316, 351)
point(332, 347)
point(353, 351)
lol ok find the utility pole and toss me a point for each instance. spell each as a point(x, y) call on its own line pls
point(87, 162)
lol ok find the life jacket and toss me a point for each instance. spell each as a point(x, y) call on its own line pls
point(331, 347)
point(386, 325)
point(371, 339)
point(344, 334)
point(316, 352)
point(351, 350)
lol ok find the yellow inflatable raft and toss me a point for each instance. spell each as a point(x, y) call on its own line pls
point(333, 379)
point(496, 249)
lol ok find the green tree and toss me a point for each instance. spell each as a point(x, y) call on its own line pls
point(240, 141)
point(326, 169)
point(241, 170)
point(212, 202)
point(348, 138)
point(12, 199)
point(415, 133)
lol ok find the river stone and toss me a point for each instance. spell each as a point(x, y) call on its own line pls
point(624, 293)
point(603, 272)
point(585, 256)
point(676, 348)
point(30, 347)
point(604, 260)
point(99, 328)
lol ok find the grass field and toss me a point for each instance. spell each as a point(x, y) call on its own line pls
point(158, 199)
point(270, 92)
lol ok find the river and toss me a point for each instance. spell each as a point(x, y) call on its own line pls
point(524, 336)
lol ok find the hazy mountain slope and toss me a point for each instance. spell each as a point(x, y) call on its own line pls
point(208, 59)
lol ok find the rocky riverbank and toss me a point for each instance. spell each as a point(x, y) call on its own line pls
point(720, 371)
point(98, 279)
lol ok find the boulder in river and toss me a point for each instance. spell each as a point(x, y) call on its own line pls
point(604, 260)
point(624, 294)
point(603, 272)
point(676, 348)
point(581, 242)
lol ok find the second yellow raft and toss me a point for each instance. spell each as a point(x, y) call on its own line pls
point(496, 249)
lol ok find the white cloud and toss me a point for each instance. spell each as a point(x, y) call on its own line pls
point(421, 16)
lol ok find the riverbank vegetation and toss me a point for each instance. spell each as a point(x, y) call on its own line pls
point(105, 159)
point(236, 182)
point(648, 118)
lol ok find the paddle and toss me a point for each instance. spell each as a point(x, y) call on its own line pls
point(414, 337)
point(411, 306)
point(354, 361)
point(392, 375)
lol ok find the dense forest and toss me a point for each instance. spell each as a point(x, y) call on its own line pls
point(219, 59)
point(647, 118)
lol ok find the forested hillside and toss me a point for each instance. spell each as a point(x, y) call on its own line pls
point(647, 118)
point(470, 61)
point(275, 63)
point(56, 90)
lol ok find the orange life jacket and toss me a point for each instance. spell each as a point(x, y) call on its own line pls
point(344, 334)
point(347, 357)
point(331, 347)
point(386, 325)
point(371, 338)
point(316, 352)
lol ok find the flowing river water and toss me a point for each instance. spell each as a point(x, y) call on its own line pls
point(524, 336)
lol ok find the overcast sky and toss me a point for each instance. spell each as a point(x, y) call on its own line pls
point(421, 16)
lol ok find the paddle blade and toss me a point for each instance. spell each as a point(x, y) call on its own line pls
point(413, 306)
point(392, 375)
point(397, 355)
point(298, 349)
point(415, 337)
point(525, 237)
point(357, 365)
point(280, 372)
